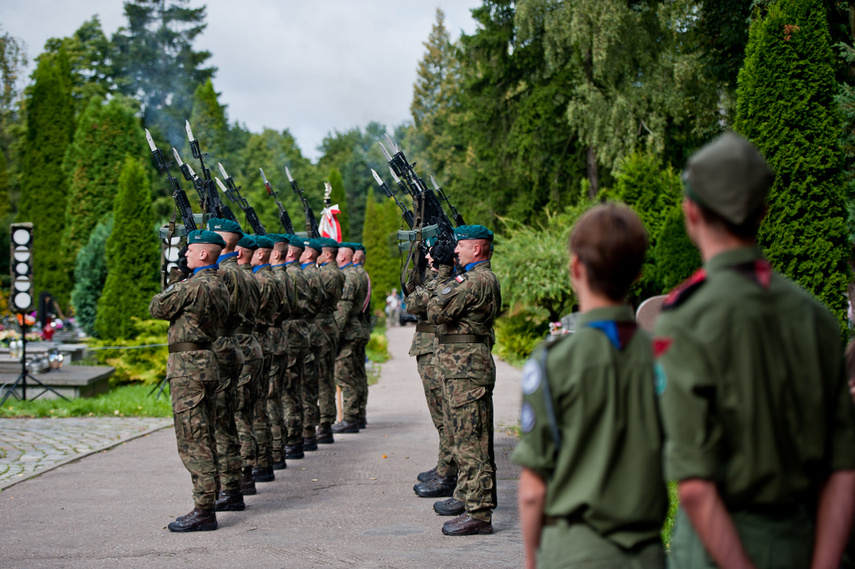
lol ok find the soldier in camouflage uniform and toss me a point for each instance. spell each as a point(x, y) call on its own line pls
point(195, 308)
point(249, 383)
point(230, 361)
point(268, 309)
point(423, 348)
point(463, 308)
point(347, 317)
point(279, 370)
point(365, 332)
point(332, 284)
point(299, 341)
point(312, 362)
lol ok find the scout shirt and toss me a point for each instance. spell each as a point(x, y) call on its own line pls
point(423, 340)
point(608, 471)
point(195, 308)
point(350, 304)
point(752, 384)
point(466, 304)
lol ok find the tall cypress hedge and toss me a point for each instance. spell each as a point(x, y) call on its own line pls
point(786, 107)
point(90, 272)
point(132, 256)
point(50, 126)
point(379, 236)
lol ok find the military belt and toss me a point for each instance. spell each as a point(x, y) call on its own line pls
point(425, 327)
point(463, 339)
point(244, 330)
point(225, 332)
point(562, 520)
point(188, 347)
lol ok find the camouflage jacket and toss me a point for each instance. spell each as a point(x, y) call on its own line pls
point(297, 326)
point(423, 342)
point(316, 294)
point(350, 304)
point(287, 311)
point(249, 343)
point(268, 310)
point(332, 284)
point(364, 304)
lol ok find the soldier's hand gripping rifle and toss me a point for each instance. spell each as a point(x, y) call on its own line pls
point(284, 218)
point(215, 205)
point(181, 201)
point(233, 193)
point(311, 223)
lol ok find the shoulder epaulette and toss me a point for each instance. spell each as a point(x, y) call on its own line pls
point(683, 291)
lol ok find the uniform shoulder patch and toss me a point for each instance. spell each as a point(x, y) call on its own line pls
point(459, 278)
point(446, 290)
point(169, 288)
point(532, 375)
point(527, 418)
point(685, 290)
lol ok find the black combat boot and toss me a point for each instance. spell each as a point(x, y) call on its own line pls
point(279, 465)
point(450, 507)
point(427, 475)
point(324, 434)
point(310, 443)
point(247, 482)
point(438, 487)
point(230, 501)
point(264, 474)
point(363, 424)
point(197, 520)
point(294, 452)
point(346, 427)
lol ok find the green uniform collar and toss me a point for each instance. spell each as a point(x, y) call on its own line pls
point(733, 257)
point(622, 313)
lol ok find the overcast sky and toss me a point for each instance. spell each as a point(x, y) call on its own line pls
point(311, 66)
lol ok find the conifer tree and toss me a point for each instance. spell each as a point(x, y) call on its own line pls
point(50, 127)
point(379, 236)
point(785, 105)
point(132, 256)
point(210, 125)
point(90, 272)
point(105, 134)
point(338, 196)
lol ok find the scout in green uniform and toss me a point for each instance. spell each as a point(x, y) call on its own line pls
point(332, 284)
point(591, 491)
point(348, 321)
point(230, 361)
point(759, 426)
point(195, 308)
point(271, 299)
point(422, 348)
point(249, 383)
point(365, 332)
point(313, 361)
point(463, 309)
point(279, 365)
point(299, 342)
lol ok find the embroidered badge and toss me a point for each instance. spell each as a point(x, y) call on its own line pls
point(531, 377)
point(661, 379)
point(527, 420)
point(661, 345)
point(459, 278)
point(446, 290)
point(170, 287)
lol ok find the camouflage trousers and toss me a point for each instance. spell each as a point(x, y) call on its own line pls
point(292, 394)
point(445, 465)
point(468, 418)
point(311, 378)
point(326, 371)
point(347, 378)
point(359, 361)
point(275, 410)
point(247, 395)
point(193, 382)
point(260, 421)
point(225, 428)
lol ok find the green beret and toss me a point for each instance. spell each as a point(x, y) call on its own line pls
point(296, 241)
point(328, 242)
point(430, 241)
point(359, 247)
point(264, 242)
point(248, 242)
point(729, 177)
point(203, 237)
point(224, 225)
point(473, 232)
point(315, 244)
point(346, 245)
point(278, 238)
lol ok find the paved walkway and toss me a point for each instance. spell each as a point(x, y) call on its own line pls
point(349, 504)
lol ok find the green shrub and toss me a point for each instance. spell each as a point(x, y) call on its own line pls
point(90, 273)
point(377, 349)
point(145, 365)
point(519, 333)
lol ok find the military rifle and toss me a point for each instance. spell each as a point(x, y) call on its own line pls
point(458, 219)
point(181, 201)
point(212, 203)
point(233, 193)
point(408, 215)
point(311, 223)
point(284, 218)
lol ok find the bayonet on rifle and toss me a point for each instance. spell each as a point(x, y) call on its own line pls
point(181, 201)
point(408, 215)
point(311, 224)
point(284, 218)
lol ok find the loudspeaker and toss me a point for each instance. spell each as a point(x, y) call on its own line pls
point(21, 262)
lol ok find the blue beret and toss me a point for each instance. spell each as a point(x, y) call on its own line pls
point(203, 237)
point(224, 225)
point(263, 242)
point(473, 232)
point(315, 244)
point(247, 242)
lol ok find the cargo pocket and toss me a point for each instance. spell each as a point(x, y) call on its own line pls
point(464, 394)
point(186, 392)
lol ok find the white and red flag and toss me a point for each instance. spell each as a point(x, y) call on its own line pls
point(329, 226)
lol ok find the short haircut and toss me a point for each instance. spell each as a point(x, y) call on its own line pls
point(611, 242)
point(746, 230)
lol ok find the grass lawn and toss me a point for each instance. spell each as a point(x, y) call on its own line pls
point(122, 401)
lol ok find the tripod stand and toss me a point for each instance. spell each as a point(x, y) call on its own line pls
point(22, 379)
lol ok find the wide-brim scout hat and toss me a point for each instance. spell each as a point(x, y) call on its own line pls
point(730, 177)
point(204, 237)
point(224, 225)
